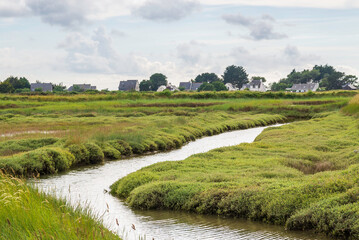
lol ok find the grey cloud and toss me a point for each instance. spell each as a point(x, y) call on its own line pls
point(65, 13)
point(13, 8)
point(164, 10)
point(259, 28)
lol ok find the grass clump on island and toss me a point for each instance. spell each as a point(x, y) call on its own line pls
point(303, 175)
point(27, 214)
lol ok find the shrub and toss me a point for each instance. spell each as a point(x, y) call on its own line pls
point(95, 153)
point(111, 153)
point(123, 147)
point(80, 152)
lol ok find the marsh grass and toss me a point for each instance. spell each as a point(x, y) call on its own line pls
point(353, 107)
point(304, 175)
point(118, 127)
point(27, 214)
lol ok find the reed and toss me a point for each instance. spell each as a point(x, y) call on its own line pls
point(25, 213)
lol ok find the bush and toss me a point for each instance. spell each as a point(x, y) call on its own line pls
point(43, 161)
point(111, 153)
point(80, 152)
point(95, 153)
point(123, 147)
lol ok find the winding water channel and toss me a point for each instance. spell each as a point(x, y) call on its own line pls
point(88, 187)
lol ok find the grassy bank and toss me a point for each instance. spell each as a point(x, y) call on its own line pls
point(27, 214)
point(303, 175)
point(41, 136)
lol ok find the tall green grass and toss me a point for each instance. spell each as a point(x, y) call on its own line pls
point(353, 107)
point(27, 214)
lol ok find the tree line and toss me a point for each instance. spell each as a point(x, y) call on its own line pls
point(22, 85)
point(236, 75)
point(327, 77)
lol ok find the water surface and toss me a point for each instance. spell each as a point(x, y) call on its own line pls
point(89, 186)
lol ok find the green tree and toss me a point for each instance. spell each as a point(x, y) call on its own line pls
point(77, 88)
point(333, 81)
point(58, 87)
point(350, 79)
point(6, 87)
point(145, 85)
point(327, 77)
point(219, 86)
point(158, 79)
point(263, 79)
point(236, 75)
point(206, 87)
point(207, 77)
point(18, 83)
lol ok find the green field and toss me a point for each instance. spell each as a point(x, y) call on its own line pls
point(45, 134)
point(51, 133)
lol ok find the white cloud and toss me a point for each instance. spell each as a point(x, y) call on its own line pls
point(272, 62)
point(72, 13)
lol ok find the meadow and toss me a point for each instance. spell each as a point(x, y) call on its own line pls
point(303, 175)
point(46, 134)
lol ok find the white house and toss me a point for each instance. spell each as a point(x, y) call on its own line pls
point(304, 87)
point(255, 85)
point(230, 87)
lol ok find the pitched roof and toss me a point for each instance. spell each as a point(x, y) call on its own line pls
point(349, 86)
point(190, 85)
point(128, 85)
point(195, 86)
point(304, 86)
point(46, 87)
point(185, 85)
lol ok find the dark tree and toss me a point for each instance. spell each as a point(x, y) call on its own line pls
point(145, 85)
point(236, 75)
point(6, 87)
point(18, 83)
point(206, 87)
point(262, 79)
point(327, 77)
point(219, 86)
point(207, 77)
point(158, 79)
point(58, 87)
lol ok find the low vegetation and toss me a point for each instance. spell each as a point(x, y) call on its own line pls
point(303, 175)
point(45, 134)
point(27, 214)
point(52, 133)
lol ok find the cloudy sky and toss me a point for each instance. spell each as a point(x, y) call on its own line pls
point(103, 42)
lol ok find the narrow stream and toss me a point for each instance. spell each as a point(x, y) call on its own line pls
point(88, 187)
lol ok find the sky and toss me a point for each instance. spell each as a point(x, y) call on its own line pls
point(105, 42)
